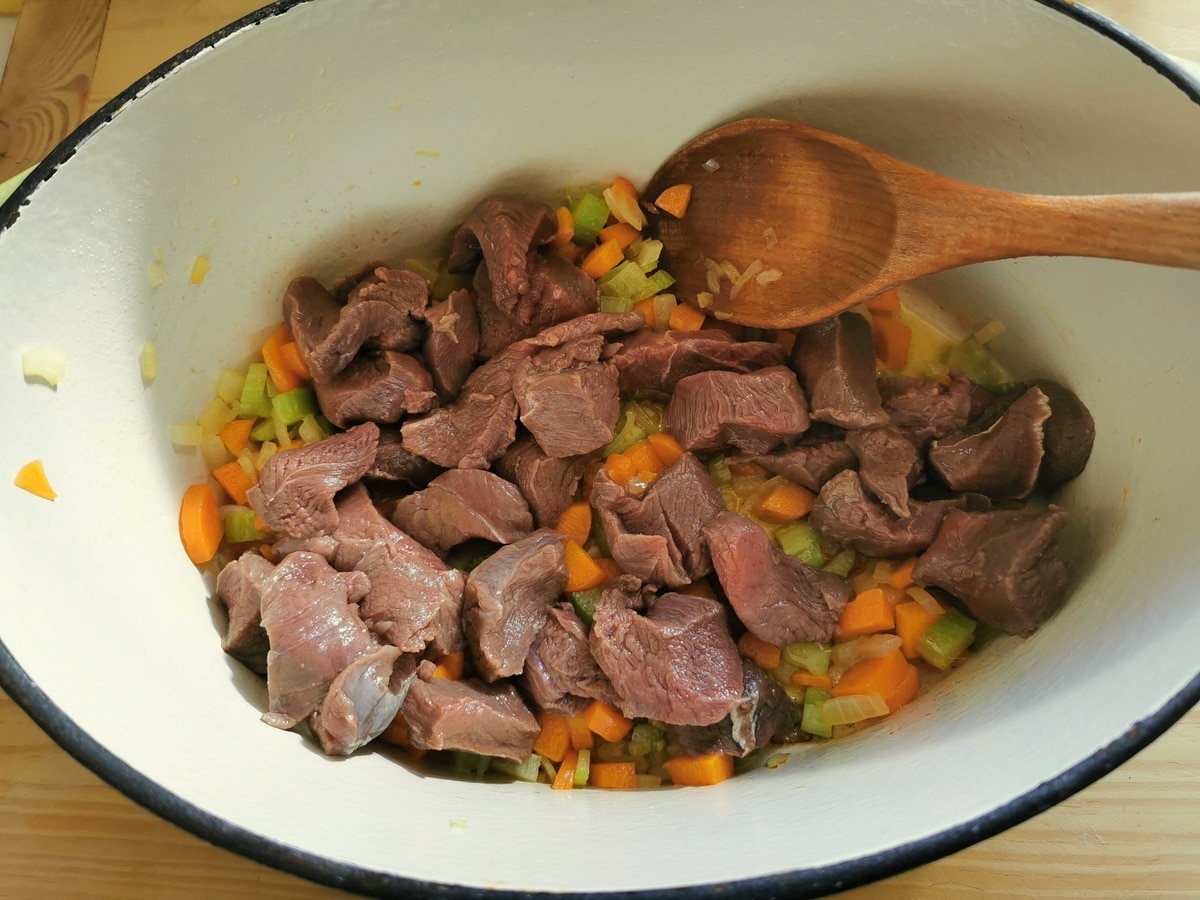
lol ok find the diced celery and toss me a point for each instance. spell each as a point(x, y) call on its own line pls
point(616, 305)
point(293, 406)
point(590, 214)
point(657, 283)
point(812, 657)
point(976, 362)
point(240, 526)
point(523, 771)
point(326, 425)
point(646, 413)
point(598, 539)
point(813, 720)
point(583, 768)
point(629, 432)
point(645, 253)
point(585, 604)
point(719, 471)
point(229, 384)
point(264, 430)
point(800, 540)
point(626, 280)
point(254, 399)
point(465, 763)
point(946, 639)
point(842, 563)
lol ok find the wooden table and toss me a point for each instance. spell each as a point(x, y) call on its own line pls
point(64, 833)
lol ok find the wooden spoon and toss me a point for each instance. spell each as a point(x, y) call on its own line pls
point(823, 223)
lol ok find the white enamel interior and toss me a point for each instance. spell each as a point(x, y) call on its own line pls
point(340, 132)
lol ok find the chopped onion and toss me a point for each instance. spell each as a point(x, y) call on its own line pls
point(769, 276)
point(213, 449)
point(185, 434)
point(246, 461)
point(775, 760)
point(664, 305)
point(229, 384)
point(771, 237)
point(710, 165)
point(863, 581)
point(199, 270)
point(854, 708)
point(721, 315)
point(214, 415)
point(845, 654)
point(649, 781)
point(927, 600)
point(625, 210)
point(46, 363)
point(149, 362)
point(883, 571)
point(751, 271)
point(155, 273)
point(704, 299)
point(873, 645)
point(265, 452)
point(989, 332)
point(713, 276)
point(730, 270)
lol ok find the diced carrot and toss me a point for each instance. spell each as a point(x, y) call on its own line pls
point(785, 503)
point(674, 200)
point(571, 251)
point(686, 318)
point(622, 200)
point(912, 620)
point(294, 359)
point(566, 227)
point(268, 552)
point(581, 735)
point(868, 613)
point(646, 308)
point(902, 575)
point(620, 468)
point(235, 433)
point(450, 666)
point(602, 259)
point(564, 779)
point(200, 523)
point(232, 477)
point(613, 775)
point(576, 522)
point(281, 373)
point(699, 588)
point(610, 569)
point(604, 720)
point(785, 339)
point(643, 457)
point(555, 738)
point(766, 655)
point(808, 679)
point(892, 677)
point(892, 340)
point(582, 572)
point(32, 477)
point(397, 732)
point(700, 771)
point(665, 447)
point(621, 232)
point(885, 303)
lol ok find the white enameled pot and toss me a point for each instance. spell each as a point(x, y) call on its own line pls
point(321, 134)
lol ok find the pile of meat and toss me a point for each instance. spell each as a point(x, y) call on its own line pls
point(488, 407)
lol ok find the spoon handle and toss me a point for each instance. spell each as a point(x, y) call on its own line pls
point(1161, 229)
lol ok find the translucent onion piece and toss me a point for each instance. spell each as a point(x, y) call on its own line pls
point(155, 273)
point(200, 269)
point(149, 362)
point(769, 276)
point(873, 645)
point(854, 708)
point(846, 654)
point(44, 363)
point(704, 299)
point(229, 384)
point(185, 434)
point(771, 237)
point(928, 602)
point(213, 449)
point(745, 278)
point(989, 332)
point(710, 165)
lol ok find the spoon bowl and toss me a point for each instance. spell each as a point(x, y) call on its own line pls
point(788, 224)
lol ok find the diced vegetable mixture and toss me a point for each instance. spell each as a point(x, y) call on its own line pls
point(523, 512)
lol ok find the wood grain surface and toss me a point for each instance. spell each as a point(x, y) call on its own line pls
point(64, 833)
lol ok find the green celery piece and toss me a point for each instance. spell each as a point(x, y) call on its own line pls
point(240, 527)
point(657, 283)
point(585, 604)
point(646, 253)
point(813, 658)
point(813, 720)
point(719, 471)
point(800, 540)
point(946, 639)
point(254, 401)
point(598, 539)
point(264, 430)
point(616, 305)
point(524, 771)
point(590, 214)
point(626, 280)
point(842, 563)
point(326, 425)
point(646, 414)
point(583, 768)
point(293, 406)
point(975, 361)
point(469, 554)
point(465, 763)
point(628, 434)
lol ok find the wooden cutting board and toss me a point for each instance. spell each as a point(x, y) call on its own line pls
point(64, 833)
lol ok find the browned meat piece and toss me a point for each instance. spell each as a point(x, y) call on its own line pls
point(240, 586)
point(1067, 436)
point(462, 504)
point(1005, 565)
point(567, 398)
point(561, 675)
point(548, 484)
point(395, 462)
point(502, 231)
point(677, 663)
point(657, 537)
point(314, 630)
point(835, 360)
point(778, 598)
point(507, 599)
point(362, 700)
point(810, 463)
point(488, 719)
point(764, 711)
point(452, 342)
point(379, 386)
point(651, 363)
point(887, 463)
point(295, 489)
point(755, 412)
point(558, 291)
point(927, 410)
